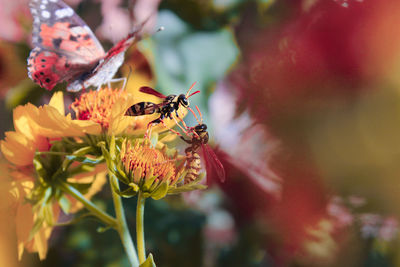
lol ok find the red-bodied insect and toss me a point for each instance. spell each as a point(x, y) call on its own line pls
point(65, 49)
point(199, 138)
point(166, 108)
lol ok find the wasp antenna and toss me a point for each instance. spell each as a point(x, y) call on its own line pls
point(194, 93)
point(194, 114)
point(201, 116)
point(190, 89)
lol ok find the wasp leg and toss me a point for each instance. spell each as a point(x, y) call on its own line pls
point(148, 131)
point(186, 140)
point(118, 80)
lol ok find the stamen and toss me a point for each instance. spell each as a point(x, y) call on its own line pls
point(96, 105)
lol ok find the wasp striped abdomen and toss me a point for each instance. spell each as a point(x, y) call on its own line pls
point(142, 108)
point(193, 165)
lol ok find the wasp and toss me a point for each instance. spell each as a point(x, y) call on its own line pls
point(198, 137)
point(166, 108)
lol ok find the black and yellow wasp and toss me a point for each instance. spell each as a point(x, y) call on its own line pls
point(166, 108)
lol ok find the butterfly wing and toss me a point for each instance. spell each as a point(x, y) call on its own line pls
point(111, 62)
point(65, 48)
point(214, 166)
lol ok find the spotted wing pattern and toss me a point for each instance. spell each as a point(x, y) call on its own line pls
point(65, 49)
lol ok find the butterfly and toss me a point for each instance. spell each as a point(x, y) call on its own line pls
point(65, 49)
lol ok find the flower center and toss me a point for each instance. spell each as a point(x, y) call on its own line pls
point(96, 105)
point(145, 157)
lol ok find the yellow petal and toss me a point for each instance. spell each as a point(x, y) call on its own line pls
point(17, 149)
point(23, 226)
point(57, 101)
point(23, 118)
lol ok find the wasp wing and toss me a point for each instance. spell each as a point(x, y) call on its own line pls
point(151, 91)
point(213, 164)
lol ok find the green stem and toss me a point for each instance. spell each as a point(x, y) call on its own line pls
point(139, 228)
point(122, 226)
point(51, 153)
point(104, 217)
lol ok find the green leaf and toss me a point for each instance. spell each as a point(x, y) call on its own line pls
point(85, 160)
point(149, 262)
point(48, 214)
point(41, 172)
point(83, 188)
point(83, 151)
point(127, 193)
point(106, 155)
point(186, 188)
point(160, 192)
point(64, 203)
point(121, 175)
point(148, 182)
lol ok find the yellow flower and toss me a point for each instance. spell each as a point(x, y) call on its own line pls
point(107, 107)
point(25, 216)
point(35, 127)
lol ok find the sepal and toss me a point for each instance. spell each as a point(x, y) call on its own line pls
point(149, 262)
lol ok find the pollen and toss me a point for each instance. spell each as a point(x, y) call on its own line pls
point(145, 162)
point(96, 105)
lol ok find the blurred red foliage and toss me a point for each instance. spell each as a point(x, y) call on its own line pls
point(308, 57)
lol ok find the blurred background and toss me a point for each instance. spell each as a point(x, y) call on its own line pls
point(302, 98)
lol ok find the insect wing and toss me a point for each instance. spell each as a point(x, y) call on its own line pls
point(213, 164)
point(151, 91)
point(111, 62)
point(57, 28)
point(64, 46)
